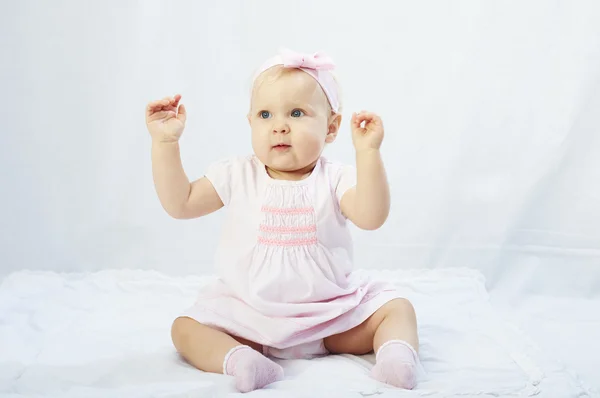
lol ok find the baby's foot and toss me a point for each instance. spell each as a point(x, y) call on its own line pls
point(250, 369)
point(396, 364)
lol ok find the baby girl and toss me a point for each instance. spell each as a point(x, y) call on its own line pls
point(286, 286)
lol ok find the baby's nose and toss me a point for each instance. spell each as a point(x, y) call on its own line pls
point(281, 129)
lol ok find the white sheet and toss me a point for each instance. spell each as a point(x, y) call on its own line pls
point(567, 326)
point(107, 335)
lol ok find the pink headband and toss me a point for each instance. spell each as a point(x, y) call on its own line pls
point(317, 65)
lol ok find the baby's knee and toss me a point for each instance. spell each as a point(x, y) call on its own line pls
point(181, 329)
point(400, 306)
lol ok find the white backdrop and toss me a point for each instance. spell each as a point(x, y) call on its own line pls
point(491, 109)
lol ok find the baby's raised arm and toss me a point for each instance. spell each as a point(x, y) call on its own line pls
point(165, 120)
point(368, 204)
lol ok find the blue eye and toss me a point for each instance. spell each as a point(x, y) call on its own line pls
point(297, 113)
point(265, 114)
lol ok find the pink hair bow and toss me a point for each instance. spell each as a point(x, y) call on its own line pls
point(317, 61)
point(318, 65)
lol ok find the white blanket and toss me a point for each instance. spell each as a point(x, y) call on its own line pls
point(107, 334)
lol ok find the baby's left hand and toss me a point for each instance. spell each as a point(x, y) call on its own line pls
point(371, 135)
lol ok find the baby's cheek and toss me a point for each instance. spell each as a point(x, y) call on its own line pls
point(261, 146)
point(311, 146)
point(259, 140)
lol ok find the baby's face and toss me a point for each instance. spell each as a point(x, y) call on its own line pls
point(290, 118)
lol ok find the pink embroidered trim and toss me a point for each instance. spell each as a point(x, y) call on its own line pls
point(283, 229)
point(290, 210)
point(291, 242)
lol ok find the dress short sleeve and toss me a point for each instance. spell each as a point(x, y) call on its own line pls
point(346, 180)
point(219, 174)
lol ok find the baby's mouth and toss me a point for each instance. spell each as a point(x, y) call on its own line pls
point(281, 147)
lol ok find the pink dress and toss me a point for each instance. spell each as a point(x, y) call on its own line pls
point(284, 261)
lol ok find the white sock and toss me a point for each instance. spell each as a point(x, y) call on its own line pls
point(250, 369)
point(396, 364)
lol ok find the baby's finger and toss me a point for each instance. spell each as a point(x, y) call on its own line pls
point(182, 113)
point(153, 106)
point(149, 109)
point(355, 120)
point(159, 115)
point(157, 105)
point(373, 118)
point(165, 105)
point(362, 118)
point(175, 102)
point(366, 115)
point(376, 121)
point(370, 118)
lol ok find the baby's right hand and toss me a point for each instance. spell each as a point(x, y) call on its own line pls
point(165, 119)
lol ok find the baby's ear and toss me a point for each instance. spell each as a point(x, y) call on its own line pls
point(334, 126)
point(248, 117)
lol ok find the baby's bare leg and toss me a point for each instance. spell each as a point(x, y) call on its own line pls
point(204, 347)
point(207, 349)
point(395, 320)
point(392, 333)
